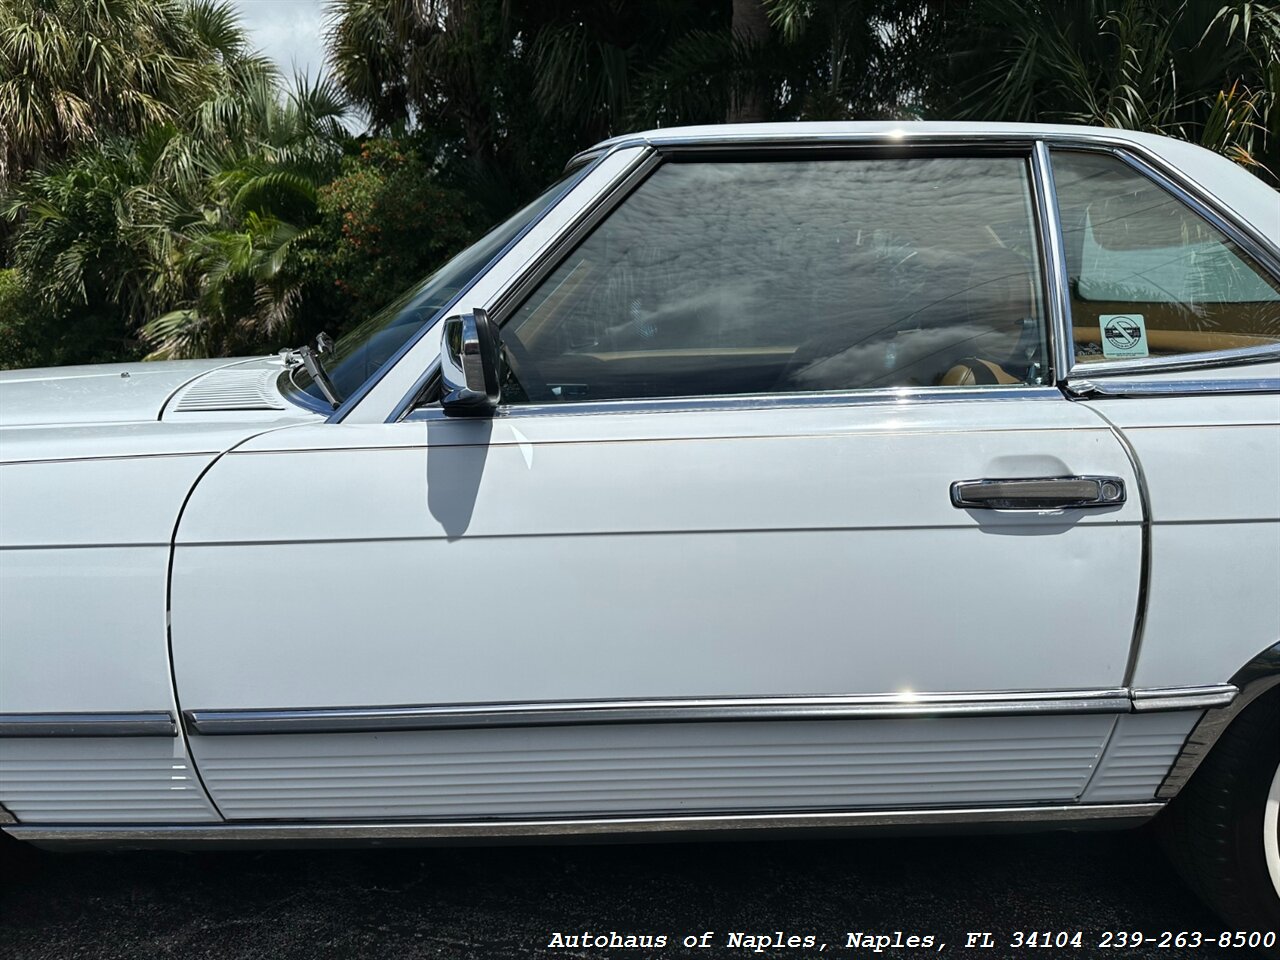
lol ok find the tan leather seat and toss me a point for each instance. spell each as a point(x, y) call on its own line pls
point(1004, 299)
point(973, 371)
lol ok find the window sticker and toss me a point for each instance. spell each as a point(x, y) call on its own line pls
point(1123, 335)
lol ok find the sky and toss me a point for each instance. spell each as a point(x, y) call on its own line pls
point(290, 32)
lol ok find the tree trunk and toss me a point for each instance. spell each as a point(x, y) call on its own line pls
point(747, 103)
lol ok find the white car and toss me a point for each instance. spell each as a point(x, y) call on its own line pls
point(790, 475)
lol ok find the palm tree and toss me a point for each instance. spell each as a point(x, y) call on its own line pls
point(72, 71)
point(1200, 70)
point(192, 226)
point(232, 244)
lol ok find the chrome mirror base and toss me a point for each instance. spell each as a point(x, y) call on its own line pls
point(469, 365)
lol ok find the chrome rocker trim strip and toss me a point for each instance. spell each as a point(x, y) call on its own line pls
point(714, 710)
point(259, 833)
point(88, 725)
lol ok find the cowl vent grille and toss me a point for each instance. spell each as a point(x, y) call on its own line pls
point(231, 390)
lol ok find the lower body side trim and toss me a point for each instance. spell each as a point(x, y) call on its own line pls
point(465, 716)
point(1033, 817)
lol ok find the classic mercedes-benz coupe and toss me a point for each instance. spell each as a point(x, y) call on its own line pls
point(750, 477)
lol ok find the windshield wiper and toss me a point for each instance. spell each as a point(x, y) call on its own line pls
point(309, 360)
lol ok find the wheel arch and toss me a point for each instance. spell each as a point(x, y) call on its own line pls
point(1257, 679)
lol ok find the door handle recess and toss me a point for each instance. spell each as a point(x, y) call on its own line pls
point(1038, 493)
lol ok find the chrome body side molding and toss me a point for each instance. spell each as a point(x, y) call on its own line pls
point(155, 724)
point(591, 712)
point(489, 715)
point(259, 834)
point(1085, 389)
point(1254, 679)
point(1184, 698)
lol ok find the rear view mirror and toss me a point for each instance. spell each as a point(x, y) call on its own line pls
point(469, 365)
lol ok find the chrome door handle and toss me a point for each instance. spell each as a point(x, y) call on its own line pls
point(1038, 493)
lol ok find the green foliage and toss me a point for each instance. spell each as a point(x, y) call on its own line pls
point(83, 269)
point(165, 194)
point(23, 329)
point(1198, 70)
point(74, 71)
point(234, 242)
point(182, 238)
point(385, 222)
point(507, 92)
point(31, 335)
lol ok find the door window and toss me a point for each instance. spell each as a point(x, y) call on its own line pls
point(1149, 276)
point(717, 278)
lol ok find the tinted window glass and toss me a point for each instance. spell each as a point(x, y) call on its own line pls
point(1149, 276)
point(788, 276)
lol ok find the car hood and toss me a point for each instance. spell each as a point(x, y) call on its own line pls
point(101, 393)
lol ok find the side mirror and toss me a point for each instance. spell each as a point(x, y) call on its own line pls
point(469, 365)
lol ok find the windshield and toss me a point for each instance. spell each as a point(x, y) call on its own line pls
point(359, 354)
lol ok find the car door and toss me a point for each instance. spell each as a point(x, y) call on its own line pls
point(781, 511)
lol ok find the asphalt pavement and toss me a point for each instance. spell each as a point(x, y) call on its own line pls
point(498, 902)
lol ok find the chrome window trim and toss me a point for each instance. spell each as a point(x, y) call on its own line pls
point(1036, 142)
point(762, 401)
point(851, 139)
point(687, 824)
point(1170, 388)
point(1209, 360)
point(6, 817)
point(1053, 264)
point(1192, 196)
point(144, 724)
point(511, 297)
point(466, 716)
point(1257, 677)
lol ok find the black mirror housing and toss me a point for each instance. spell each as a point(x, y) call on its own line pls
point(469, 365)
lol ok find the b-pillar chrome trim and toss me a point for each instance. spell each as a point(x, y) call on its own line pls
point(1055, 261)
point(1261, 674)
point(319, 834)
point(717, 710)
